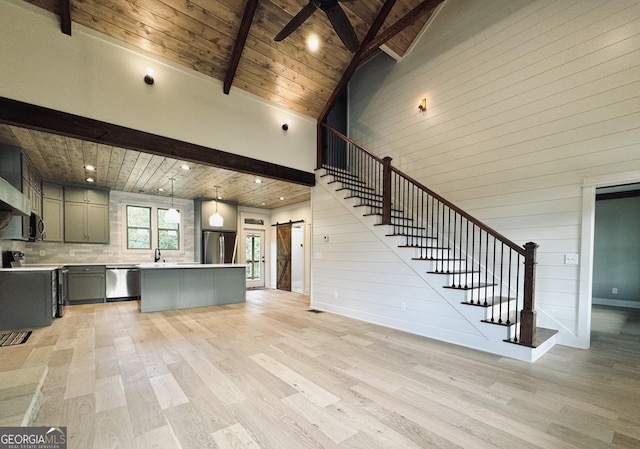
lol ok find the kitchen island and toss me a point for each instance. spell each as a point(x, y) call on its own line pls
point(166, 286)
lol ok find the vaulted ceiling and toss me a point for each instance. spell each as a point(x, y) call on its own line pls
point(231, 41)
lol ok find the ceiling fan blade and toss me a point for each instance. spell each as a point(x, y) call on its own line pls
point(297, 20)
point(343, 28)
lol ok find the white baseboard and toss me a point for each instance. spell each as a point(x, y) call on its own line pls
point(616, 303)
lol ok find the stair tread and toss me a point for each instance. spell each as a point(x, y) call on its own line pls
point(424, 247)
point(438, 259)
point(542, 335)
point(495, 300)
point(353, 187)
point(471, 286)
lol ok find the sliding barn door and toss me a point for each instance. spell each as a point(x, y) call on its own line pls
point(283, 249)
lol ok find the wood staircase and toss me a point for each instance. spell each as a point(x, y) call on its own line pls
point(433, 252)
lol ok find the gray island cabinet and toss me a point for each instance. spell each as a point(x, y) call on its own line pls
point(183, 286)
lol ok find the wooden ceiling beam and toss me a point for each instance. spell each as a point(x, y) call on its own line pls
point(17, 113)
point(371, 42)
point(426, 7)
point(238, 46)
point(65, 17)
point(355, 61)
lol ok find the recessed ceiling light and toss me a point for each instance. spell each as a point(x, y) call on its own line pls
point(90, 167)
point(160, 189)
point(281, 198)
point(90, 180)
point(185, 167)
point(313, 43)
point(263, 203)
point(258, 181)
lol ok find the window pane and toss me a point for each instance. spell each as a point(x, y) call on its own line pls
point(138, 238)
point(168, 239)
point(138, 217)
point(138, 227)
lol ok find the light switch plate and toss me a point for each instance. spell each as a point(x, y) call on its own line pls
point(571, 259)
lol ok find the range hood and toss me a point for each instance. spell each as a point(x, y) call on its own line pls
point(12, 202)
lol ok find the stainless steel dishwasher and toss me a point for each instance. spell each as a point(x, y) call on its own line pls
point(122, 283)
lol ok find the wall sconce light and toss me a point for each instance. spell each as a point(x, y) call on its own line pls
point(148, 78)
point(423, 105)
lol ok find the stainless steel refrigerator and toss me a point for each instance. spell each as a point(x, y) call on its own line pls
point(219, 247)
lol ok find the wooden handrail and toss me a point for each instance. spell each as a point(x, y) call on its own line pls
point(472, 219)
point(493, 232)
point(528, 252)
point(351, 142)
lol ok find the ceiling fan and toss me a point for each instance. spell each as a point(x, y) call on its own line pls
point(336, 16)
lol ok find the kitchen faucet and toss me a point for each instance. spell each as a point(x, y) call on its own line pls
point(156, 256)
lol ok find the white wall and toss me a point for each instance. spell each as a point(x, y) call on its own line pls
point(526, 100)
point(91, 75)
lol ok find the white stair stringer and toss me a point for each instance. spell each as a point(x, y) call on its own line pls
point(490, 337)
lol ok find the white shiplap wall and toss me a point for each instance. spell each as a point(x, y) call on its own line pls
point(526, 100)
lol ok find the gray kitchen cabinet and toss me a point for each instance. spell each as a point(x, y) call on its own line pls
point(86, 284)
point(86, 215)
point(52, 212)
point(17, 170)
point(27, 298)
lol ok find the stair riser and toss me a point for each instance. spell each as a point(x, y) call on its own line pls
point(432, 253)
point(462, 279)
point(495, 331)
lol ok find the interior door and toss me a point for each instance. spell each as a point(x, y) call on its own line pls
point(283, 249)
point(254, 254)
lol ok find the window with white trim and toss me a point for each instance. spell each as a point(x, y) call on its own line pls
point(147, 228)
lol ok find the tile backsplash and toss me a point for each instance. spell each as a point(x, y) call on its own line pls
point(115, 251)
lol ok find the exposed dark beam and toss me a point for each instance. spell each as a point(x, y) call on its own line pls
point(65, 16)
point(17, 113)
point(426, 7)
point(238, 46)
point(355, 61)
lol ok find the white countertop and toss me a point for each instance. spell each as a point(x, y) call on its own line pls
point(32, 268)
point(143, 266)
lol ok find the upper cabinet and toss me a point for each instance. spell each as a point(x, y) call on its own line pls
point(86, 215)
point(52, 212)
point(17, 171)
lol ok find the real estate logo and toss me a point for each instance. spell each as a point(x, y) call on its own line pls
point(33, 438)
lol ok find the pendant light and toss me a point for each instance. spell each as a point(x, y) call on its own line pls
point(172, 216)
point(216, 219)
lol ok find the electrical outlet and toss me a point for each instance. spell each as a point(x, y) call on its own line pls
point(335, 295)
point(571, 259)
point(72, 253)
point(403, 306)
point(42, 253)
point(614, 290)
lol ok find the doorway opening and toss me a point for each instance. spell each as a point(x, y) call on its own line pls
point(587, 247)
point(255, 259)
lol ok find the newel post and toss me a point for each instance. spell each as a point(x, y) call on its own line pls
point(386, 190)
point(528, 313)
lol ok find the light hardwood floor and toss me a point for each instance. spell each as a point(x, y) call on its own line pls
point(271, 374)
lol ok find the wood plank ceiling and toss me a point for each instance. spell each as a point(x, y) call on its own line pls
point(231, 41)
point(200, 34)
